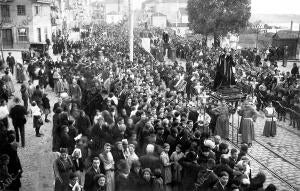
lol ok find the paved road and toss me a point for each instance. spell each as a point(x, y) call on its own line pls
point(280, 153)
point(37, 157)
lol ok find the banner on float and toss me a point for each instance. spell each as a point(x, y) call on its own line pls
point(146, 44)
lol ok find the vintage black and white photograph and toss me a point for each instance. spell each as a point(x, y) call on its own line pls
point(149, 95)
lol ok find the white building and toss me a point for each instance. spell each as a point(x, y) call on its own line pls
point(169, 8)
point(24, 22)
point(113, 18)
point(183, 16)
point(159, 20)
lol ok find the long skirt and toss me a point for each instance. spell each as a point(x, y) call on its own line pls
point(177, 173)
point(10, 87)
point(222, 127)
point(167, 174)
point(110, 180)
point(247, 129)
point(270, 129)
point(20, 75)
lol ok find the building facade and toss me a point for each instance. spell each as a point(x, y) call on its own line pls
point(118, 6)
point(169, 8)
point(159, 20)
point(77, 13)
point(24, 22)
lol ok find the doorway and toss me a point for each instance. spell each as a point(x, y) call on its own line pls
point(7, 38)
point(39, 32)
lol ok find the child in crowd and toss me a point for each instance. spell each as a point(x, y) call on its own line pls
point(37, 118)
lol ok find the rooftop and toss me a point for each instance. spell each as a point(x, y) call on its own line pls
point(178, 25)
point(284, 34)
point(158, 15)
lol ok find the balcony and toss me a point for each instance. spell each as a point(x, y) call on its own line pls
point(6, 20)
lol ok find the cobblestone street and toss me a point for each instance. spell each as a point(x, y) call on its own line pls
point(37, 157)
point(280, 154)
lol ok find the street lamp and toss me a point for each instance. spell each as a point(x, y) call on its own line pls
point(131, 29)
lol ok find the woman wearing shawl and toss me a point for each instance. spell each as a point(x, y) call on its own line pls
point(20, 73)
point(109, 167)
point(8, 82)
point(63, 167)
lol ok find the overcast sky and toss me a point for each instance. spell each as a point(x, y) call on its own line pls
point(263, 6)
point(276, 6)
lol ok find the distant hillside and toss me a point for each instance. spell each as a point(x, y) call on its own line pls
point(274, 18)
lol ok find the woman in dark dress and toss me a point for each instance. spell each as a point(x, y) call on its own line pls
point(55, 130)
point(63, 167)
point(20, 73)
point(14, 165)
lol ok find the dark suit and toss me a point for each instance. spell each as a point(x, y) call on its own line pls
point(17, 114)
point(150, 161)
point(190, 172)
point(14, 165)
point(89, 182)
point(231, 162)
point(10, 60)
point(78, 165)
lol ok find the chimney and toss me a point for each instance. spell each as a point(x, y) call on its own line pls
point(291, 25)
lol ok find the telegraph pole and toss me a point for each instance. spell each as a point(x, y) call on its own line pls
point(1, 33)
point(131, 29)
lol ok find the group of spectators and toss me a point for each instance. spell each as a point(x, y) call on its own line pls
point(141, 125)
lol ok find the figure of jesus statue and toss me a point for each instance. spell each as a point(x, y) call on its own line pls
point(224, 74)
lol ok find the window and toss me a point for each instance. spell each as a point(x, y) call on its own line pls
point(39, 33)
point(36, 10)
point(5, 11)
point(23, 34)
point(46, 32)
point(21, 10)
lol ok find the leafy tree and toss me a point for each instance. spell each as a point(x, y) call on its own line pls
point(218, 17)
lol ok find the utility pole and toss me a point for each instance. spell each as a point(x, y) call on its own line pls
point(131, 29)
point(1, 33)
point(298, 43)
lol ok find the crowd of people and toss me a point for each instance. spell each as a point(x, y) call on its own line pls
point(141, 125)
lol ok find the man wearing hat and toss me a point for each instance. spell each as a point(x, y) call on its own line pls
point(10, 60)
